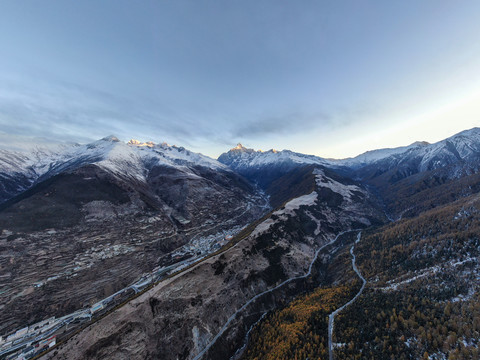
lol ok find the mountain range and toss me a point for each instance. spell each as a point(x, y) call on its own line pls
point(186, 254)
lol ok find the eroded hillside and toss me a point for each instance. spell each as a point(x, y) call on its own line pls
point(206, 310)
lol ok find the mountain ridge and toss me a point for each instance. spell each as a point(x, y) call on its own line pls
point(236, 156)
point(122, 209)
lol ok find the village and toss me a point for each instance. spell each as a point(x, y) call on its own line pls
point(34, 339)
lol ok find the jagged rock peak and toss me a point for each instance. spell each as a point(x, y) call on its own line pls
point(134, 142)
point(241, 149)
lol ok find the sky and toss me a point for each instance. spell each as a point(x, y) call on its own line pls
point(329, 78)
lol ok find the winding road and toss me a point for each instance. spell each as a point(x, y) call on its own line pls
point(331, 317)
point(234, 315)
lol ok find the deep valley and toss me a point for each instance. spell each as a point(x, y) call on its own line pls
point(161, 253)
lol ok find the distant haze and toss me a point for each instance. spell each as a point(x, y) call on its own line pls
point(329, 78)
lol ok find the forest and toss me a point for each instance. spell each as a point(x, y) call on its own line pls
point(299, 331)
point(421, 299)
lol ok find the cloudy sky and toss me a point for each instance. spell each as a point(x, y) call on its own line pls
point(330, 78)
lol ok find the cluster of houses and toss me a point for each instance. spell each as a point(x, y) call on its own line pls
point(206, 244)
point(31, 340)
point(27, 342)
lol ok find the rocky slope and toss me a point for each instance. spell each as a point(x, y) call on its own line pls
point(188, 313)
point(438, 173)
point(399, 176)
point(105, 213)
point(421, 272)
point(117, 210)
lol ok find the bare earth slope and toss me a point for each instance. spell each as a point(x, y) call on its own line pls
point(180, 316)
point(83, 234)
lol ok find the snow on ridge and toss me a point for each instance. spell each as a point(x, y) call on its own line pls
point(130, 158)
point(459, 146)
point(120, 158)
point(242, 157)
point(372, 156)
point(288, 209)
point(177, 154)
point(174, 154)
point(464, 143)
point(263, 226)
point(294, 204)
point(345, 190)
point(30, 155)
point(134, 142)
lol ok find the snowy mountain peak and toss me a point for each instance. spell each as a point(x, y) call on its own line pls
point(41, 160)
point(459, 146)
point(134, 142)
point(241, 159)
point(111, 138)
point(241, 149)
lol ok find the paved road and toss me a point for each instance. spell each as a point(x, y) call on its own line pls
point(331, 317)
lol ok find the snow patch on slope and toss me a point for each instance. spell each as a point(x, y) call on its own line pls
point(345, 190)
point(288, 209)
point(322, 181)
point(292, 205)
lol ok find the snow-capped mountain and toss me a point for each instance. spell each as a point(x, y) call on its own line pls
point(424, 176)
point(389, 171)
point(132, 157)
point(173, 179)
point(25, 163)
point(173, 155)
point(372, 156)
point(462, 148)
point(240, 157)
point(115, 210)
point(460, 153)
point(262, 167)
point(23, 160)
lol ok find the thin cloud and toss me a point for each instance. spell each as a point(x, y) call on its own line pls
point(80, 114)
point(280, 125)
